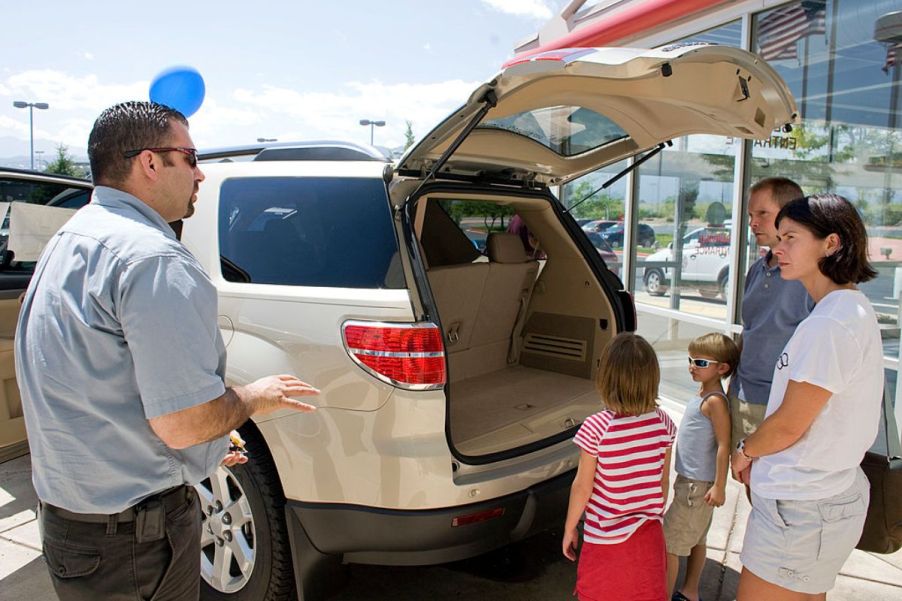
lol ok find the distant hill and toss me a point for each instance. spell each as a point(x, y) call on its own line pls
point(14, 153)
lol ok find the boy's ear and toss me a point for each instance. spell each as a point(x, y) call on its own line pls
point(723, 369)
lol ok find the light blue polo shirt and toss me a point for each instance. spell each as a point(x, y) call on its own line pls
point(772, 308)
point(118, 326)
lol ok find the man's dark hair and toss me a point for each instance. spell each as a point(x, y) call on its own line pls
point(123, 127)
point(825, 214)
point(782, 189)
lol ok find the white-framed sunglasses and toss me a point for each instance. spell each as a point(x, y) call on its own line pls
point(701, 362)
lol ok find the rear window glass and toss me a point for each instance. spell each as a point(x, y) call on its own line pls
point(567, 130)
point(308, 231)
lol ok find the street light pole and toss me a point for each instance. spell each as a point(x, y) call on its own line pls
point(31, 106)
point(371, 124)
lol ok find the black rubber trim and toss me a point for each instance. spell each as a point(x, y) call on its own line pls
point(426, 537)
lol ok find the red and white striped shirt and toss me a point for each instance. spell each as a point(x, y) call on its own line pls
point(627, 490)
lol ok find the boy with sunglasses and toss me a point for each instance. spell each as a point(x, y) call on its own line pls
point(702, 457)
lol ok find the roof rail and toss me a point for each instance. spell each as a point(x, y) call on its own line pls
point(316, 150)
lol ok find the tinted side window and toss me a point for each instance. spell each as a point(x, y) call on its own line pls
point(308, 231)
point(34, 192)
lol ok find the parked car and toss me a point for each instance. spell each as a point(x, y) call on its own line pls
point(611, 260)
point(599, 225)
point(33, 188)
point(349, 273)
point(614, 235)
point(705, 264)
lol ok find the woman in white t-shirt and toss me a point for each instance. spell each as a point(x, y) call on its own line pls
point(809, 495)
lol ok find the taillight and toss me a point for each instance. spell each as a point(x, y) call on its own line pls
point(404, 355)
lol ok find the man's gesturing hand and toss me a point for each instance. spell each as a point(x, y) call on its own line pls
point(277, 392)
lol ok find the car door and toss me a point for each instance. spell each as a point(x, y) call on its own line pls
point(552, 117)
point(31, 189)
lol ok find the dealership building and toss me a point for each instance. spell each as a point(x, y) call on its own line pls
point(840, 60)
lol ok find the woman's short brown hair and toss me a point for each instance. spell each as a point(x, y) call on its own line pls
point(825, 214)
point(719, 347)
point(629, 375)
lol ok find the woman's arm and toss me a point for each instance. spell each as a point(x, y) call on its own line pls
point(801, 405)
point(715, 408)
point(580, 492)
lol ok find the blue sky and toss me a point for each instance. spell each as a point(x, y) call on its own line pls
point(286, 70)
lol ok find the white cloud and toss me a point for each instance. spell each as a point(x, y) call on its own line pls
point(88, 56)
point(235, 116)
point(336, 115)
point(536, 9)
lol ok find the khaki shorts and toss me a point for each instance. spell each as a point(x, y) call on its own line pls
point(802, 545)
point(688, 518)
point(745, 418)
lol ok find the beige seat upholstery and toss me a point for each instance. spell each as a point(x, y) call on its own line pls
point(457, 290)
point(512, 274)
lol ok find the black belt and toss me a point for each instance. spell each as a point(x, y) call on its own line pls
point(171, 498)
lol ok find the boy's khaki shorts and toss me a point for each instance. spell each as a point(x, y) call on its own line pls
point(688, 518)
point(744, 418)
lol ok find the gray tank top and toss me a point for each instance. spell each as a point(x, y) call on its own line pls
point(696, 448)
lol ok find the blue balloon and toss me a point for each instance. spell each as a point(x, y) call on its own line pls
point(181, 88)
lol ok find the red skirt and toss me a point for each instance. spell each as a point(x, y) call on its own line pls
point(634, 570)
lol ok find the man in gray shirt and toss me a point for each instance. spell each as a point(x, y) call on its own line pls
point(771, 309)
point(121, 367)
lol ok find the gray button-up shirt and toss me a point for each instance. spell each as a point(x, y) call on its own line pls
point(118, 326)
point(772, 308)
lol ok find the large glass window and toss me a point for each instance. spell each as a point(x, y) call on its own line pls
point(840, 60)
point(685, 194)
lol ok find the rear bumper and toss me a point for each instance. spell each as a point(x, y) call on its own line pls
point(400, 537)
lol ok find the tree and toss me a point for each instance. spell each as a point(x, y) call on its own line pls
point(64, 164)
point(409, 138)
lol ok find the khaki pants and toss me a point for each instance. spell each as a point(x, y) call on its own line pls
point(745, 418)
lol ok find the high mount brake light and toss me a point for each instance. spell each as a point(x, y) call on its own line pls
point(408, 356)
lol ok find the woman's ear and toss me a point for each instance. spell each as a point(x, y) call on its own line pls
point(833, 244)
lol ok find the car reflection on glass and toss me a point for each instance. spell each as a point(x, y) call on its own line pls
point(604, 249)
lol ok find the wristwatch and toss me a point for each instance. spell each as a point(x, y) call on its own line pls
point(741, 448)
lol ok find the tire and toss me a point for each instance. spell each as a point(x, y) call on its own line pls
point(252, 491)
point(722, 284)
point(654, 282)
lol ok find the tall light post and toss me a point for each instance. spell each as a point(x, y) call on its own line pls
point(31, 106)
point(372, 124)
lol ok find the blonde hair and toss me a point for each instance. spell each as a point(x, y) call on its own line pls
point(629, 375)
point(719, 347)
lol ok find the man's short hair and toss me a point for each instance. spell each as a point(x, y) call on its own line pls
point(782, 189)
point(124, 127)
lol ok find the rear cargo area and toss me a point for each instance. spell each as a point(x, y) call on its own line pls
point(523, 332)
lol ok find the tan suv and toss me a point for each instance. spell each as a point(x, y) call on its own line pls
point(452, 380)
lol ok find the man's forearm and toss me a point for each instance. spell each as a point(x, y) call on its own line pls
point(205, 422)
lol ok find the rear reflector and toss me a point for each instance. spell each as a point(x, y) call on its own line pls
point(480, 516)
point(404, 355)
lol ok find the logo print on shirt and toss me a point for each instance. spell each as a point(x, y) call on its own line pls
point(783, 361)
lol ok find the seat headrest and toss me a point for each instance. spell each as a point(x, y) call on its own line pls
point(504, 247)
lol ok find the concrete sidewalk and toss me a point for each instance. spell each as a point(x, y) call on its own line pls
point(865, 577)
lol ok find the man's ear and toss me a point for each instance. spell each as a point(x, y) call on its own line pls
point(149, 164)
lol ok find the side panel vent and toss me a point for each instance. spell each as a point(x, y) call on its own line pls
point(555, 346)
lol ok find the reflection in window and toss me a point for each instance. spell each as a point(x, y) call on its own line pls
point(844, 71)
point(567, 130)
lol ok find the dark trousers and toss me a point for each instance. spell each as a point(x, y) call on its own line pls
point(93, 561)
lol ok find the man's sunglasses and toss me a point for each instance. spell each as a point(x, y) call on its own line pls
point(191, 153)
point(701, 362)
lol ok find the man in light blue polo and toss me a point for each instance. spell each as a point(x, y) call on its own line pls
point(120, 364)
point(771, 309)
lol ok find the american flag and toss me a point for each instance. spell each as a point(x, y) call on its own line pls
point(891, 59)
point(779, 31)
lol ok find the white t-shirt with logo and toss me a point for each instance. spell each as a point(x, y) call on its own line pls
point(837, 348)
